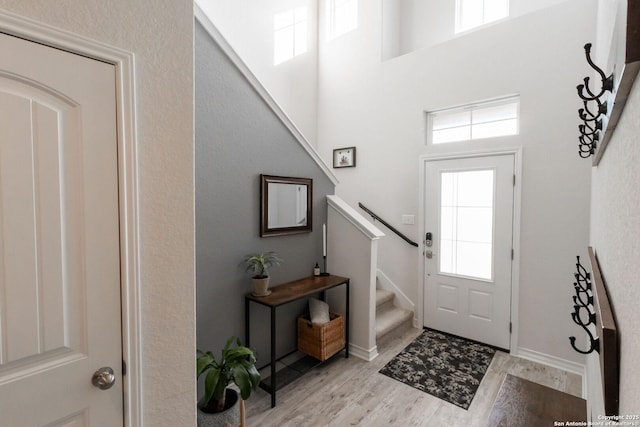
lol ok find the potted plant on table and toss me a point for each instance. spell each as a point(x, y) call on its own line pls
point(258, 265)
point(220, 405)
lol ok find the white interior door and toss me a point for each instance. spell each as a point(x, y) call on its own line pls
point(59, 238)
point(469, 215)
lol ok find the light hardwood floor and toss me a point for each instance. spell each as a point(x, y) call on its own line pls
point(351, 392)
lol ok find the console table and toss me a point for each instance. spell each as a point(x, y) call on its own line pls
point(284, 294)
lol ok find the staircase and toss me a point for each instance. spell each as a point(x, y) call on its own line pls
point(389, 317)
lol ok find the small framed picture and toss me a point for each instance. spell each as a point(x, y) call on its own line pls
point(344, 157)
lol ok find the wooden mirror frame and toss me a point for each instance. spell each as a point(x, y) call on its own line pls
point(265, 230)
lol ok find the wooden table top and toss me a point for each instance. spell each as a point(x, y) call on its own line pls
point(287, 292)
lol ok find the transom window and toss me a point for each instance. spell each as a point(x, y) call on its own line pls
point(342, 17)
point(289, 34)
point(474, 13)
point(475, 121)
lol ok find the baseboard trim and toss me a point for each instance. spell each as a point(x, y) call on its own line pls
point(362, 353)
point(554, 362)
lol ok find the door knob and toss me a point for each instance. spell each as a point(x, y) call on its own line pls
point(103, 378)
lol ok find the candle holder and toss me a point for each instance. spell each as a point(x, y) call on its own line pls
point(324, 268)
point(324, 250)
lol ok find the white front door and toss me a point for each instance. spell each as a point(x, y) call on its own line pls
point(59, 238)
point(469, 218)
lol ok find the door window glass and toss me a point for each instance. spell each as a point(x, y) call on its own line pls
point(466, 223)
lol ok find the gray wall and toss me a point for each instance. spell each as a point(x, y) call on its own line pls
point(238, 137)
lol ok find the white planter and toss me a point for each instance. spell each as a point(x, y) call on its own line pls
point(226, 418)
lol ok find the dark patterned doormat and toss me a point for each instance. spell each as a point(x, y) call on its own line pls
point(445, 366)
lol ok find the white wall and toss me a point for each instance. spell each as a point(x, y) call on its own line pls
point(379, 108)
point(423, 23)
point(420, 23)
point(248, 27)
point(161, 37)
point(615, 226)
point(352, 250)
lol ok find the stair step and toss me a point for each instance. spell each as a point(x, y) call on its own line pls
point(391, 318)
point(383, 296)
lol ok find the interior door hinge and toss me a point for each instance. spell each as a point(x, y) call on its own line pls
point(514, 179)
point(124, 367)
point(510, 327)
point(512, 253)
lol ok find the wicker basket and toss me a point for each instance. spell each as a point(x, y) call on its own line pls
point(321, 341)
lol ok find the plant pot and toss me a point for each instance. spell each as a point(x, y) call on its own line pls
point(229, 417)
point(260, 286)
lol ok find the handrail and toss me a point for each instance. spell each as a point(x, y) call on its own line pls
point(386, 224)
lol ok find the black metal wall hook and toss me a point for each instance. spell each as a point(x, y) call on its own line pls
point(592, 126)
point(577, 299)
point(582, 273)
point(586, 150)
point(594, 344)
point(606, 81)
point(587, 115)
point(587, 130)
point(577, 319)
point(583, 300)
point(581, 284)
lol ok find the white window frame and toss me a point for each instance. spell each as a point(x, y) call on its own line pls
point(471, 108)
point(334, 9)
point(298, 24)
point(458, 19)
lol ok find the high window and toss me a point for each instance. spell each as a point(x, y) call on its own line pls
point(475, 121)
point(342, 17)
point(474, 13)
point(289, 34)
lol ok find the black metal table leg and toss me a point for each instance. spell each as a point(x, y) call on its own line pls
point(247, 328)
point(346, 327)
point(273, 357)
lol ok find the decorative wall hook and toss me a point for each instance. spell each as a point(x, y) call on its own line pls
point(578, 320)
point(594, 344)
point(582, 273)
point(577, 299)
point(606, 82)
point(587, 146)
point(591, 116)
point(587, 116)
point(583, 301)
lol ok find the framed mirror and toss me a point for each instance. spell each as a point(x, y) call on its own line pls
point(285, 205)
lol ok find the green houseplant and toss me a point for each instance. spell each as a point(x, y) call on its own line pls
point(258, 265)
point(237, 366)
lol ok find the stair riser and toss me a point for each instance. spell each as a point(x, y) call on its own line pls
point(388, 305)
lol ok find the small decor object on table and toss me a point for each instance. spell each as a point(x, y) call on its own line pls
point(258, 265)
point(220, 405)
point(344, 157)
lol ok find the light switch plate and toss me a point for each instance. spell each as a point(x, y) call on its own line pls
point(408, 219)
